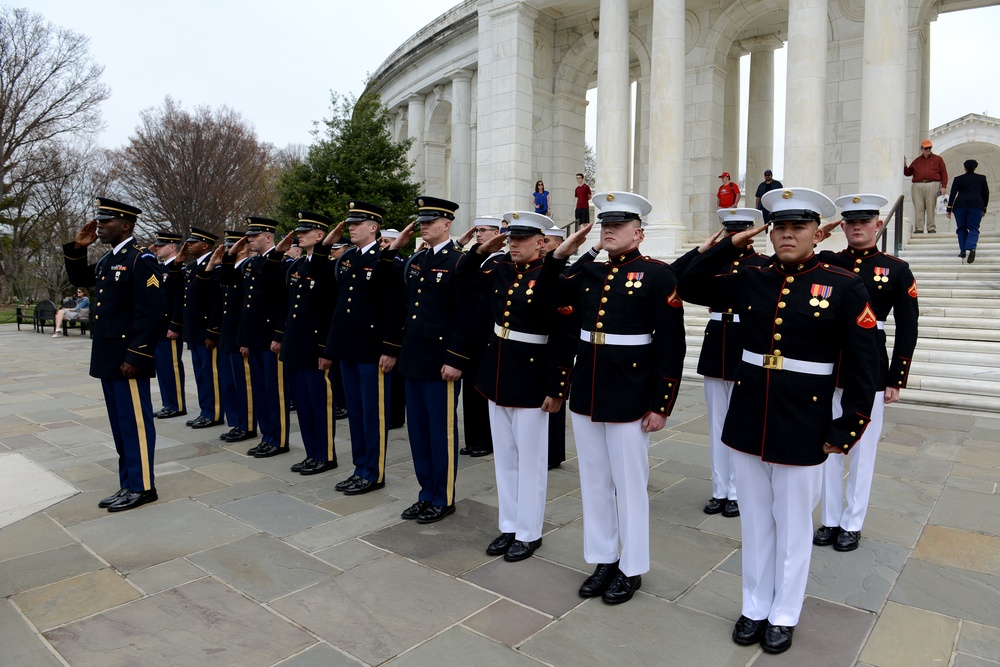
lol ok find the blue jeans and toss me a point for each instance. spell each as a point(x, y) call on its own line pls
point(967, 222)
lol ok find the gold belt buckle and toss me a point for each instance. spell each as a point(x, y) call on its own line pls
point(597, 337)
point(773, 362)
point(504, 333)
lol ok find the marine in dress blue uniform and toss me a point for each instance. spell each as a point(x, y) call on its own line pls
point(365, 338)
point(798, 317)
point(234, 369)
point(202, 305)
point(311, 301)
point(891, 288)
point(127, 316)
point(629, 358)
point(264, 309)
point(432, 359)
point(169, 355)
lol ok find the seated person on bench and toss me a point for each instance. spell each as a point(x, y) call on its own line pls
point(80, 312)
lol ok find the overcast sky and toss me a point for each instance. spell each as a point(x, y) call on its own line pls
point(277, 63)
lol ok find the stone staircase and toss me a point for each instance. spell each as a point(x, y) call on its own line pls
point(957, 360)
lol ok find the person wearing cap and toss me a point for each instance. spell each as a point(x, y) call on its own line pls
point(721, 349)
point(202, 309)
point(525, 372)
point(301, 343)
point(127, 319)
point(798, 318)
point(263, 312)
point(582, 193)
point(768, 184)
point(338, 246)
point(629, 359)
point(729, 193)
point(930, 179)
point(969, 198)
point(475, 408)
point(891, 288)
point(169, 354)
point(433, 356)
point(235, 386)
point(554, 236)
point(365, 337)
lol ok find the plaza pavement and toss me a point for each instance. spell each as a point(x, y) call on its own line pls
point(243, 563)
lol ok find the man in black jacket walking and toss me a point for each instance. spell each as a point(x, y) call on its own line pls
point(968, 201)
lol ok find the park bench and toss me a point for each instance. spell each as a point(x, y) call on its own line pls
point(43, 315)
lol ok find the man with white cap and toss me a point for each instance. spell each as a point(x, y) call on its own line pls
point(627, 373)
point(525, 373)
point(891, 288)
point(798, 317)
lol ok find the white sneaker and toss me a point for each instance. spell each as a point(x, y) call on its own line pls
point(57, 334)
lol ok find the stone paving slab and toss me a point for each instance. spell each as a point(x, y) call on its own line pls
point(950, 591)
point(170, 574)
point(31, 535)
point(861, 578)
point(968, 510)
point(319, 655)
point(507, 622)
point(276, 513)
point(455, 648)
point(828, 635)
point(535, 582)
point(20, 645)
point(26, 488)
point(980, 641)
point(72, 599)
point(959, 549)
point(904, 637)
point(44, 567)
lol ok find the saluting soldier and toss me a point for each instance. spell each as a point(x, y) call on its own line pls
point(264, 309)
point(169, 355)
point(891, 288)
point(525, 373)
point(201, 325)
point(626, 377)
point(127, 316)
point(302, 344)
point(235, 385)
point(433, 356)
point(557, 420)
point(798, 316)
point(365, 336)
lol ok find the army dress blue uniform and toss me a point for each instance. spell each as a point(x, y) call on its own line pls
point(235, 385)
point(201, 323)
point(126, 314)
point(169, 355)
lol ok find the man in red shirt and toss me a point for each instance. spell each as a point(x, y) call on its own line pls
point(583, 195)
point(930, 178)
point(729, 193)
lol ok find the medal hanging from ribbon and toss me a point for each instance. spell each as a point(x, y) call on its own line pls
point(881, 274)
point(820, 295)
point(634, 279)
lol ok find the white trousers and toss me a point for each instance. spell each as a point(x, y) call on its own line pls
point(520, 455)
point(614, 473)
point(776, 504)
point(859, 476)
point(717, 395)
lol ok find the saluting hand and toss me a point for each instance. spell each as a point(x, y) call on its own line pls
point(285, 244)
point(182, 254)
point(711, 240)
point(86, 235)
point(215, 259)
point(828, 227)
point(237, 247)
point(744, 238)
point(493, 245)
point(573, 242)
point(405, 235)
point(334, 234)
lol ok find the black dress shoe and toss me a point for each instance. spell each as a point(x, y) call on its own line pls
point(268, 450)
point(110, 500)
point(297, 467)
point(253, 450)
point(962, 254)
point(132, 499)
point(476, 453)
point(972, 256)
point(622, 588)
point(715, 505)
point(223, 436)
point(553, 466)
point(435, 513)
point(464, 451)
point(847, 540)
point(414, 510)
point(500, 545)
point(167, 413)
point(599, 581)
point(191, 421)
point(315, 468)
point(732, 509)
point(777, 638)
point(520, 550)
point(748, 631)
point(205, 422)
point(362, 486)
point(240, 435)
point(825, 536)
point(395, 426)
point(340, 486)
point(340, 413)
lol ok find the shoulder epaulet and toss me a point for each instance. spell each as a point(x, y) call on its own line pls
point(653, 260)
point(896, 259)
point(836, 269)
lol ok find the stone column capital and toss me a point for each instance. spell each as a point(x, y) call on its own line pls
point(498, 8)
point(461, 75)
point(762, 43)
point(419, 98)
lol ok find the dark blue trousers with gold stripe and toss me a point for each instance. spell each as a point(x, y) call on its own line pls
point(313, 392)
point(130, 410)
point(206, 376)
point(236, 390)
point(270, 396)
point(432, 424)
point(367, 391)
point(169, 360)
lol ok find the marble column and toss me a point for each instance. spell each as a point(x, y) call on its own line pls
point(925, 87)
point(415, 128)
point(805, 96)
point(760, 111)
point(665, 231)
point(461, 148)
point(613, 117)
point(731, 113)
point(883, 97)
point(635, 169)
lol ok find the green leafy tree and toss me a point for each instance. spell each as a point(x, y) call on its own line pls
point(354, 157)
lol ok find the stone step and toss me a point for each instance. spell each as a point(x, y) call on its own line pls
point(955, 311)
point(972, 277)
